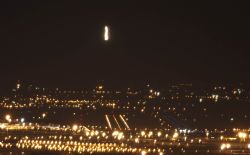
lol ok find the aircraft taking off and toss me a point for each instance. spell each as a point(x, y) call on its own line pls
point(106, 33)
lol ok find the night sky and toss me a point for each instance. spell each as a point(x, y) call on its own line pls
point(60, 43)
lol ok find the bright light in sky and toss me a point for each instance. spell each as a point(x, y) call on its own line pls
point(106, 33)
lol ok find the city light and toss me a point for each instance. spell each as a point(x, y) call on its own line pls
point(43, 115)
point(225, 146)
point(8, 118)
point(74, 127)
point(175, 135)
point(143, 133)
point(242, 135)
point(143, 153)
point(117, 135)
point(22, 120)
point(159, 134)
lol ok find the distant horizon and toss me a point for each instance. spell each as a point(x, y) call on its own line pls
point(124, 84)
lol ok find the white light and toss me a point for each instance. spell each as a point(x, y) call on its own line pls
point(106, 33)
point(22, 120)
point(43, 115)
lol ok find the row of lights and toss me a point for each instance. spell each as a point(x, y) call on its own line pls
point(73, 146)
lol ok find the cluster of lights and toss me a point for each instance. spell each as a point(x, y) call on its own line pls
point(81, 147)
point(5, 145)
point(242, 135)
point(225, 146)
point(118, 135)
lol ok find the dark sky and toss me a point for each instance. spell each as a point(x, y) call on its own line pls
point(59, 43)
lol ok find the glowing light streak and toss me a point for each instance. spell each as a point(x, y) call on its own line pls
point(106, 33)
point(125, 123)
point(107, 119)
point(117, 122)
